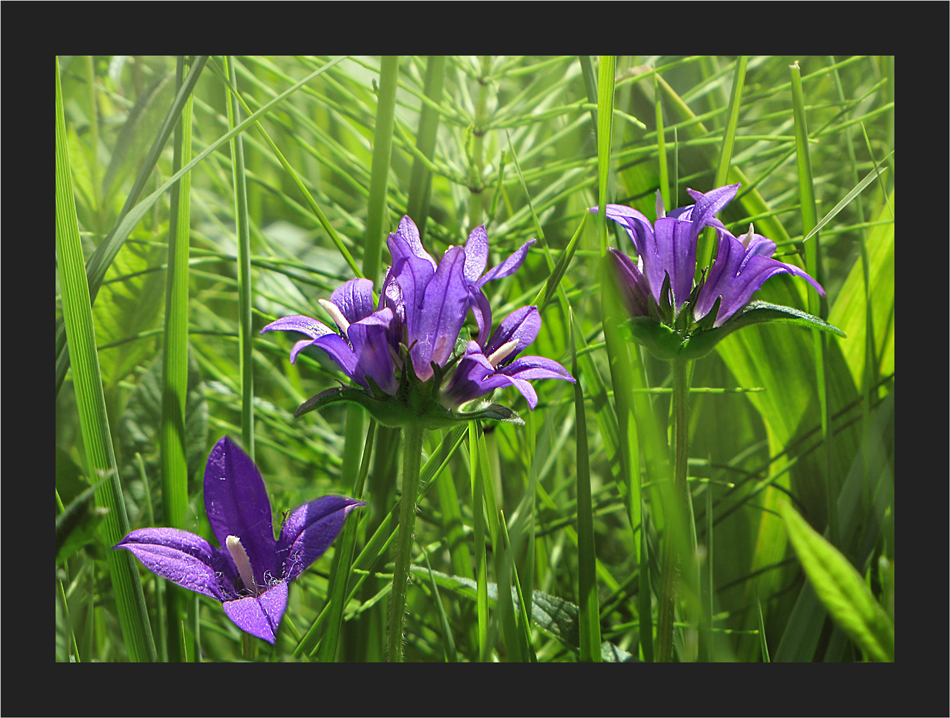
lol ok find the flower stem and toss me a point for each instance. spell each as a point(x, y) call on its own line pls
point(411, 466)
point(680, 524)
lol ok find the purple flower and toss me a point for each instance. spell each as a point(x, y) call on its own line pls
point(482, 370)
point(250, 572)
point(666, 252)
point(739, 270)
point(433, 298)
point(668, 247)
point(361, 349)
point(408, 345)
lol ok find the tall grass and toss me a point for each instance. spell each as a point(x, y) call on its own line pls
point(536, 542)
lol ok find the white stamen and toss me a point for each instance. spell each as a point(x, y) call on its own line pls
point(502, 352)
point(747, 239)
point(334, 311)
point(243, 563)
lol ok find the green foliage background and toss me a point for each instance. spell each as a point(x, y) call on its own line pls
point(510, 142)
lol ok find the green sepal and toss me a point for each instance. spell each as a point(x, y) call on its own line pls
point(659, 339)
point(667, 344)
point(701, 343)
point(390, 411)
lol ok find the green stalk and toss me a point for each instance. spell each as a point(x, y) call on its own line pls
point(589, 609)
point(420, 182)
point(91, 404)
point(175, 366)
point(382, 154)
point(661, 147)
point(705, 253)
point(477, 170)
point(245, 332)
point(478, 536)
point(605, 118)
point(343, 559)
point(817, 306)
point(411, 464)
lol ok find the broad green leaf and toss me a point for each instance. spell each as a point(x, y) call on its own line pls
point(841, 589)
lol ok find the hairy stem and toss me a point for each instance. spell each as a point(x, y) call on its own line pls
point(411, 465)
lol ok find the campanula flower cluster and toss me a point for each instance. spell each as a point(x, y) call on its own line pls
point(670, 310)
point(404, 351)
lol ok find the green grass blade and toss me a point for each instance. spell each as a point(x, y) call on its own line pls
point(706, 251)
point(841, 589)
point(817, 306)
point(420, 182)
point(478, 542)
point(343, 559)
point(605, 117)
point(586, 558)
point(448, 642)
point(90, 400)
point(106, 251)
point(245, 329)
point(175, 366)
point(376, 215)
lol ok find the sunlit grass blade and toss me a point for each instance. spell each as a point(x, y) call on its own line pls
point(817, 306)
point(90, 400)
point(376, 215)
point(420, 182)
point(707, 249)
point(243, 241)
point(175, 365)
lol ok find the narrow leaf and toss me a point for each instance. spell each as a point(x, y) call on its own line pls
point(841, 589)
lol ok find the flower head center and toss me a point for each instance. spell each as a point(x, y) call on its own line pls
point(243, 563)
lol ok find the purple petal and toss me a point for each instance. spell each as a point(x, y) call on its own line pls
point(481, 308)
point(299, 323)
point(710, 204)
point(520, 371)
point(320, 336)
point(509, 266)
point(533, 367)
point(183, 558)
point(405, 242)
point(634, 288)
point(522, 326)
point(435, 326)
point(675, 255)
point(737, 273)
point(370, 338)
point(260, 615)
point(412, 266)
point(237, 505)
point(476, 254)
point(636, 224)
point(354, 299)
point(309, 530)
